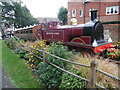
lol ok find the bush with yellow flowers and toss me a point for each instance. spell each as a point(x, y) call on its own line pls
point(34, 54)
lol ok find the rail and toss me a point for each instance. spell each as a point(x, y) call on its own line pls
point(93, 68)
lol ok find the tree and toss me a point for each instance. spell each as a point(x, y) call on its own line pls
point(14, 13)
point(62, 15)
point(7, 14)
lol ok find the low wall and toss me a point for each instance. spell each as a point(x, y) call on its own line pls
point(114, 30)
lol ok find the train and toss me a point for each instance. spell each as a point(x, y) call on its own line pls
point(89, 35)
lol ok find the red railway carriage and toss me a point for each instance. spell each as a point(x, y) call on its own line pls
point(88, 35)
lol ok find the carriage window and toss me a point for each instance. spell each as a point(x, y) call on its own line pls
point(24, 31)
point(50, 25)
point(42, 26)
point(30, 31)
point(27, 31)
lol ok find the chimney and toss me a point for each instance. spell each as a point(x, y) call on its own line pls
point(93, 14)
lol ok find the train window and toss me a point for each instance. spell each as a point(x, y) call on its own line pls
point(30, 31)
point(58, 24)
point(27, 31)
point(50, 25)
point(21, 32)
point(43, 26)
point(24, 31)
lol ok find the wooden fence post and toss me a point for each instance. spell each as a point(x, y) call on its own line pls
point(93, 74)
point(44, 55)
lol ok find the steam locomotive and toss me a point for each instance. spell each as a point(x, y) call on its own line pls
point(88, 35)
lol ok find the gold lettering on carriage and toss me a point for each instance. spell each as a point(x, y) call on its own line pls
point(52, 33)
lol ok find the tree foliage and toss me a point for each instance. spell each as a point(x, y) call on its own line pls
point(62, 15)
point(15, 13)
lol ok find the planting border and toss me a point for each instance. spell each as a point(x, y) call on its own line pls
point(93, 68)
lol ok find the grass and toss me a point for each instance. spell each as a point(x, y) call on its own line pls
point(106, 66)
point(0, 53)
point(20, 75)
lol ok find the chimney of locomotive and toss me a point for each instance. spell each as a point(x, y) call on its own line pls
point(93, 14)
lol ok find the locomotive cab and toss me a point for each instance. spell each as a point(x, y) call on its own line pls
point(53, 24)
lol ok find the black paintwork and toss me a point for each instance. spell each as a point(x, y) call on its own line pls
point(94, 28)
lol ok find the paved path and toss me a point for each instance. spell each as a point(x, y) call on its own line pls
point(6, 81)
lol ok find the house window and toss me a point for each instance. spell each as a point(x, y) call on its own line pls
point(90, 10)
point(68, 13)
point(73, 13)
point(112, 10)
point(81, 13)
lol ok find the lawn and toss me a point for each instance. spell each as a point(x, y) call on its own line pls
point(20, 75)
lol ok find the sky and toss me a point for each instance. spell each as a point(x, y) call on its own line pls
point(44, 8)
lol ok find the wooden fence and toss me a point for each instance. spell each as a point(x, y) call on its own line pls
point(92, 81)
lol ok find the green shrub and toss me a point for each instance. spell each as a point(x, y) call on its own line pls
point(23, 53)
point(10, 42)
point(72, 82)
point(48, 75)
point(17, 50)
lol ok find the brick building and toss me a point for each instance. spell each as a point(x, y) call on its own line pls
point(108, 10)
point(80, 10)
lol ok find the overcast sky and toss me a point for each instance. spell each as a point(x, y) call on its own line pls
point(45, 8)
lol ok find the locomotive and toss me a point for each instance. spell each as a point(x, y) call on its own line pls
point(88, 35)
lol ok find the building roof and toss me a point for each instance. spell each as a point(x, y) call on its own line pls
point(47, 19)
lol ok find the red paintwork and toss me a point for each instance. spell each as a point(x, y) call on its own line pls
point(82, 39)
point(102, 47)
point(37, 32)
point(53, 35)
point(69, 33)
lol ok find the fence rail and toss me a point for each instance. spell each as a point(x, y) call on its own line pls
point(93, 68)
point(109, 75)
